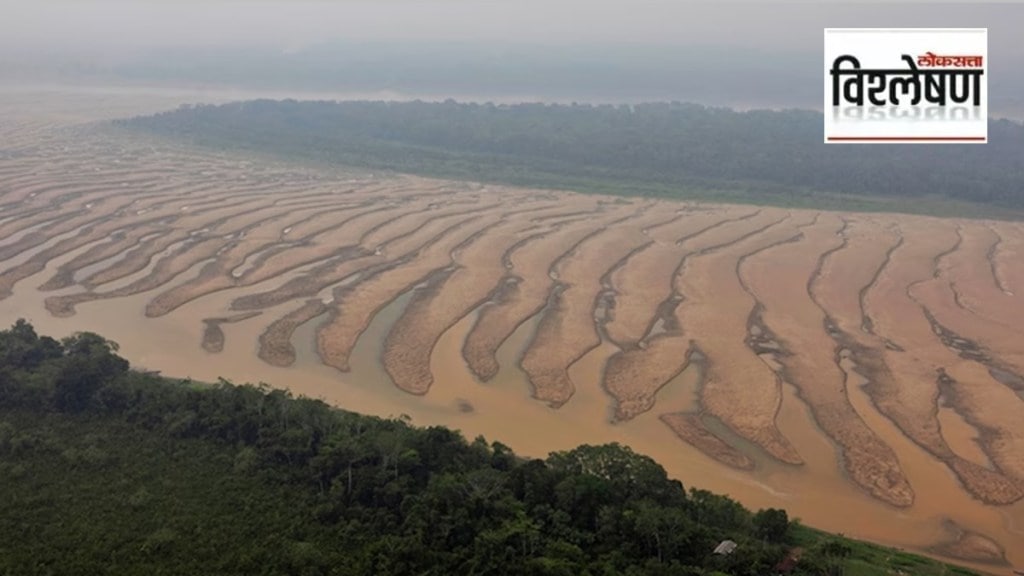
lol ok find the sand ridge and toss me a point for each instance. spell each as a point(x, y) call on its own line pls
point(907, 389)
point(567, 329)
point(525, 289)
point(634, 375)
point(770, 351)
point(801, 344)
point(451, 296)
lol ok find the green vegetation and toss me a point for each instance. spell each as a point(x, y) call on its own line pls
point(659, 149)
point(106, 470)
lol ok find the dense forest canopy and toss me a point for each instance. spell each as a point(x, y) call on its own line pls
point(107, 470)
point(668, 149)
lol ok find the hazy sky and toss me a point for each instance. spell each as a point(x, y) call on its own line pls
point(293, 24)
point(727, 52)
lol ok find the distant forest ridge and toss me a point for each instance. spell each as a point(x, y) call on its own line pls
point(659, 149)
point(734, 75)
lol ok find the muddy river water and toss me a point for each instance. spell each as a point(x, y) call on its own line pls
point(503, 409)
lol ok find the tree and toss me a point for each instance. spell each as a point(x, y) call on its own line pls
point(628, 474)
point(771, 525)
point(834, 548)
point(89, 362)
point(717, 510)
point(22, 348)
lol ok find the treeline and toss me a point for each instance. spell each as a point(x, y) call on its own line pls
point(669, 149)
point(107, 470)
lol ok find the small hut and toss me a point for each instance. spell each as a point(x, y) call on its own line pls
point(725, 547)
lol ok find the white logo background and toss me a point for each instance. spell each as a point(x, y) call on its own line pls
point(882, 48)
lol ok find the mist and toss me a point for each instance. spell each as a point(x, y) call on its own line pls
point(292, 25)
point(740, 54)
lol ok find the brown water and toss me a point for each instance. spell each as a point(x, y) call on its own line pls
point(503, 410)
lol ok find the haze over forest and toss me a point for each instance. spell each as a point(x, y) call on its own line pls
point(738, 54)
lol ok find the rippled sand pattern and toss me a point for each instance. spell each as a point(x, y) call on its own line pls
point(790, 358)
